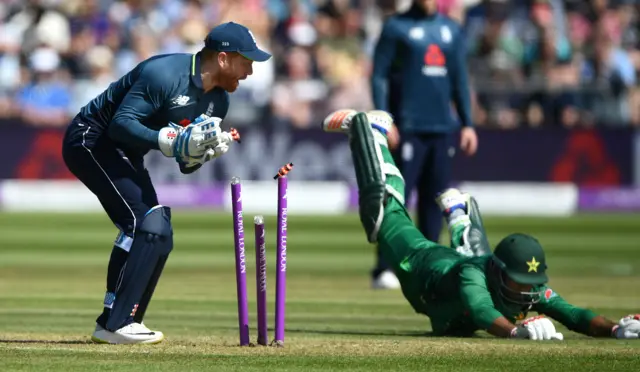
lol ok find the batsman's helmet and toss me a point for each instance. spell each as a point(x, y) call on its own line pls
point(519, 257)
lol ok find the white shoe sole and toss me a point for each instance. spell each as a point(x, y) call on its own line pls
point(102, 336)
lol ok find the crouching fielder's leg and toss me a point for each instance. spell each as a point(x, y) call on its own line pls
point(149, 252)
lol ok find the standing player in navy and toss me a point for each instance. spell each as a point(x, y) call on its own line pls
point(419, 69)
point(172, 103)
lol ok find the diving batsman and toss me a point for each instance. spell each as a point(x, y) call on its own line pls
point(465, 287)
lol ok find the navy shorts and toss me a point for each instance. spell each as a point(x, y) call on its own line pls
point(119, 180)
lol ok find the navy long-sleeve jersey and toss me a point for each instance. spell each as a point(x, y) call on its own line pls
point(419, 69)
point(159, 90)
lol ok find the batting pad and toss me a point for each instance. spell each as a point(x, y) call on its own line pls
point(367, 160)
point(376, 174)
point(394, 182)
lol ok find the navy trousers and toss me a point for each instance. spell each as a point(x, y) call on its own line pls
point(425, 161)
point(123, 187)
point(118, 179)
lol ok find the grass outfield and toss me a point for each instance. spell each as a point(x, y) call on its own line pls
point(52, 275)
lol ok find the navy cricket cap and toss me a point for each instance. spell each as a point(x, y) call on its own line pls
point(233, 37)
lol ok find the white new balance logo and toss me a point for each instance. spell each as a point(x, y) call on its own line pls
point(180, 100)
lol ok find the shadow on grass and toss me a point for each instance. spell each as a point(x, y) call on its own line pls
point(351, 332)
point(361, 333)
point(420, 334)
point(52, 342)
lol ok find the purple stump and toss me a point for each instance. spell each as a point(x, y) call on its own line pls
point(241, 269)
point(281, 263)
point(261, 280)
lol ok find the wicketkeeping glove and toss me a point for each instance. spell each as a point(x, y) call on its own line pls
point(193, 140)
point(627, 328)
point(537, 328)
point(226, 138)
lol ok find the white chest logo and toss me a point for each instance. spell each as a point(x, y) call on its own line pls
point(416, 33)
point(445, 34)
point(209, 109)
point(180, 100)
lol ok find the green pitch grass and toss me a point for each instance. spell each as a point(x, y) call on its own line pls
point(52, 276)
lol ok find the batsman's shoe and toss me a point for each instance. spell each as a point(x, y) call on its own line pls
point(340, 121)
point(386, 280)
point(134, 333)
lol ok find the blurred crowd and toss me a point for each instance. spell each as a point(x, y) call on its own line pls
point(532, 62)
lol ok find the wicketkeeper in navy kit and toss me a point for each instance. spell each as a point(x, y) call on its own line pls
point(419, 69)
point(173, 103)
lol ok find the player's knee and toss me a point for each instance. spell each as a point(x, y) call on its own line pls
point(157, 221)
point(156, 226)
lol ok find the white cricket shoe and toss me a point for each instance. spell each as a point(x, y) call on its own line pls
point(142, 326)
point(340, 121)
point(134, 333)
point(386, 280)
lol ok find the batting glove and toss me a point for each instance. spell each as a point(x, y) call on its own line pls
point(627, 328)
point(537, 328)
